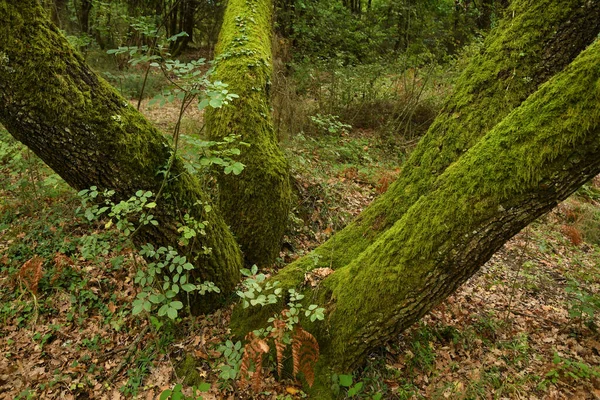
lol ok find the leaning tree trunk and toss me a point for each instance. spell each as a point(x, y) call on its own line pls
point(87, 133)
point(538, 39)
point(256, 203)
point(534, 158)
point(497, 81)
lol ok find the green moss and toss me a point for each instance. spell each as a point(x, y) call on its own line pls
point(510, 68)
point(534, 158)
point(531, 160)
point(483, 96)
point(256, 203)
point(186, 369)
point(90, 135)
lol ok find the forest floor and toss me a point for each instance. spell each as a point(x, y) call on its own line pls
point(525, 327)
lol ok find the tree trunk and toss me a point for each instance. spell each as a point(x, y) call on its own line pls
point(256, 203)
point(511, 67)
point(59, 13)
point(480, 175)
point(185, 15)
point(88, 134)
point(534, 158)
point(84, 15)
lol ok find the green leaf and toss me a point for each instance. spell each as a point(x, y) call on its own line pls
point(203, 387)
point(163, 310)
point(237, 168)
point(203, 104)
point(156, 298)
point(177, 305)
point(188, 287)
point(137, 308)
point(216, 102)
point(355, 389)
point(345, 380)
point(172, 313)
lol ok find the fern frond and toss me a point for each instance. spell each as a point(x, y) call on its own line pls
point(31, 273)
point(253, 353)
point(277, 334)
point(305, 353)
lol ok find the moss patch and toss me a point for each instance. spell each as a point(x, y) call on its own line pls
point(256, 203)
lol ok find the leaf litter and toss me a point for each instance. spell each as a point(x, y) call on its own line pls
point(509, 332)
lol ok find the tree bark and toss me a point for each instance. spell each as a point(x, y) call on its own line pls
point(536, 157)
point(256, 203)
point(534, 42)
point(59, 13)
point(73, 120)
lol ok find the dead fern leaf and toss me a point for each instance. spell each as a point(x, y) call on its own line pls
point(31, 273)
point(277, 334)
point(305, 353)
point(573, 234)
point(253, 353)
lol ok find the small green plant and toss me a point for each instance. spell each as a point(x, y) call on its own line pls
point(567, 369)
point(353, 389)
point(583, 305)
point(163, 279)
point(330, 124)
point(232, 352)
point(254, 292)
point(177, 392)
point(284, 330)
point(167, 273)
point(202, 155)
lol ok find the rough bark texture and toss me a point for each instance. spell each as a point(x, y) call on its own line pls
point(90, 135)
point(535, 41)
point(256, 203)
point(503, 152)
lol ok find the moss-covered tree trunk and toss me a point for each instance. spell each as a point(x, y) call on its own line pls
point(534, 158)
point(537, 39)
point(256, 203)
point(506, 148)
point(90, 135)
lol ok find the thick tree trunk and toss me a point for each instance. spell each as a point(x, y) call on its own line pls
point(256, 203)
point(538, 39)
point(534, 158)
point(87, 133)
point(480, 175)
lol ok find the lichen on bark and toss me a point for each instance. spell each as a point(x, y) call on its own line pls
point(256, 203)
